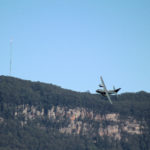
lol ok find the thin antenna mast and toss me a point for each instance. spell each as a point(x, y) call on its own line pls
point(11, 42)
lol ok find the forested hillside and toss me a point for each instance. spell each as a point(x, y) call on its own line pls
point(35, 116)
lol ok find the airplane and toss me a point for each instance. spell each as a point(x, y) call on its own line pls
point(106, 92)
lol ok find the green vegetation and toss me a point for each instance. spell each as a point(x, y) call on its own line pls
point(15, 92)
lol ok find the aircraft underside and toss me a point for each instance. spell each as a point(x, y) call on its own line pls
point(106, 92)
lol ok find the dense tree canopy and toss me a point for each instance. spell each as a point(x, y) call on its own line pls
point(14, 92)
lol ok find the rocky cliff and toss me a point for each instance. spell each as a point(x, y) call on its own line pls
point(82, 121)
point(51, 117)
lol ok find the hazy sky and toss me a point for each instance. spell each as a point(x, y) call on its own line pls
point(71, 43)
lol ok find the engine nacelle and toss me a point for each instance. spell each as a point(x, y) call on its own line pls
point(101, 85)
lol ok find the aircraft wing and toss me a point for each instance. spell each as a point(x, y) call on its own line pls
point(105, 90)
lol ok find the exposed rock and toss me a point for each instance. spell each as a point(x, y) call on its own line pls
point(1, 119)
point(110, 130)
point(76, 121)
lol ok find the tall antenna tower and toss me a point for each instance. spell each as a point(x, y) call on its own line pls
point(10, 63)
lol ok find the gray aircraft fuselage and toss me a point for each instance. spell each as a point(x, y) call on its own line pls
point(109, 91)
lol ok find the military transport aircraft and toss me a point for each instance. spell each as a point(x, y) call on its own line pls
point(106, 92)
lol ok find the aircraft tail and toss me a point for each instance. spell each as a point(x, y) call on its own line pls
point(117, 90)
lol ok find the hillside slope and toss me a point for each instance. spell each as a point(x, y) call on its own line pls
point(35, 115)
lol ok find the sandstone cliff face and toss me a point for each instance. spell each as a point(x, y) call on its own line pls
point(81, 121)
